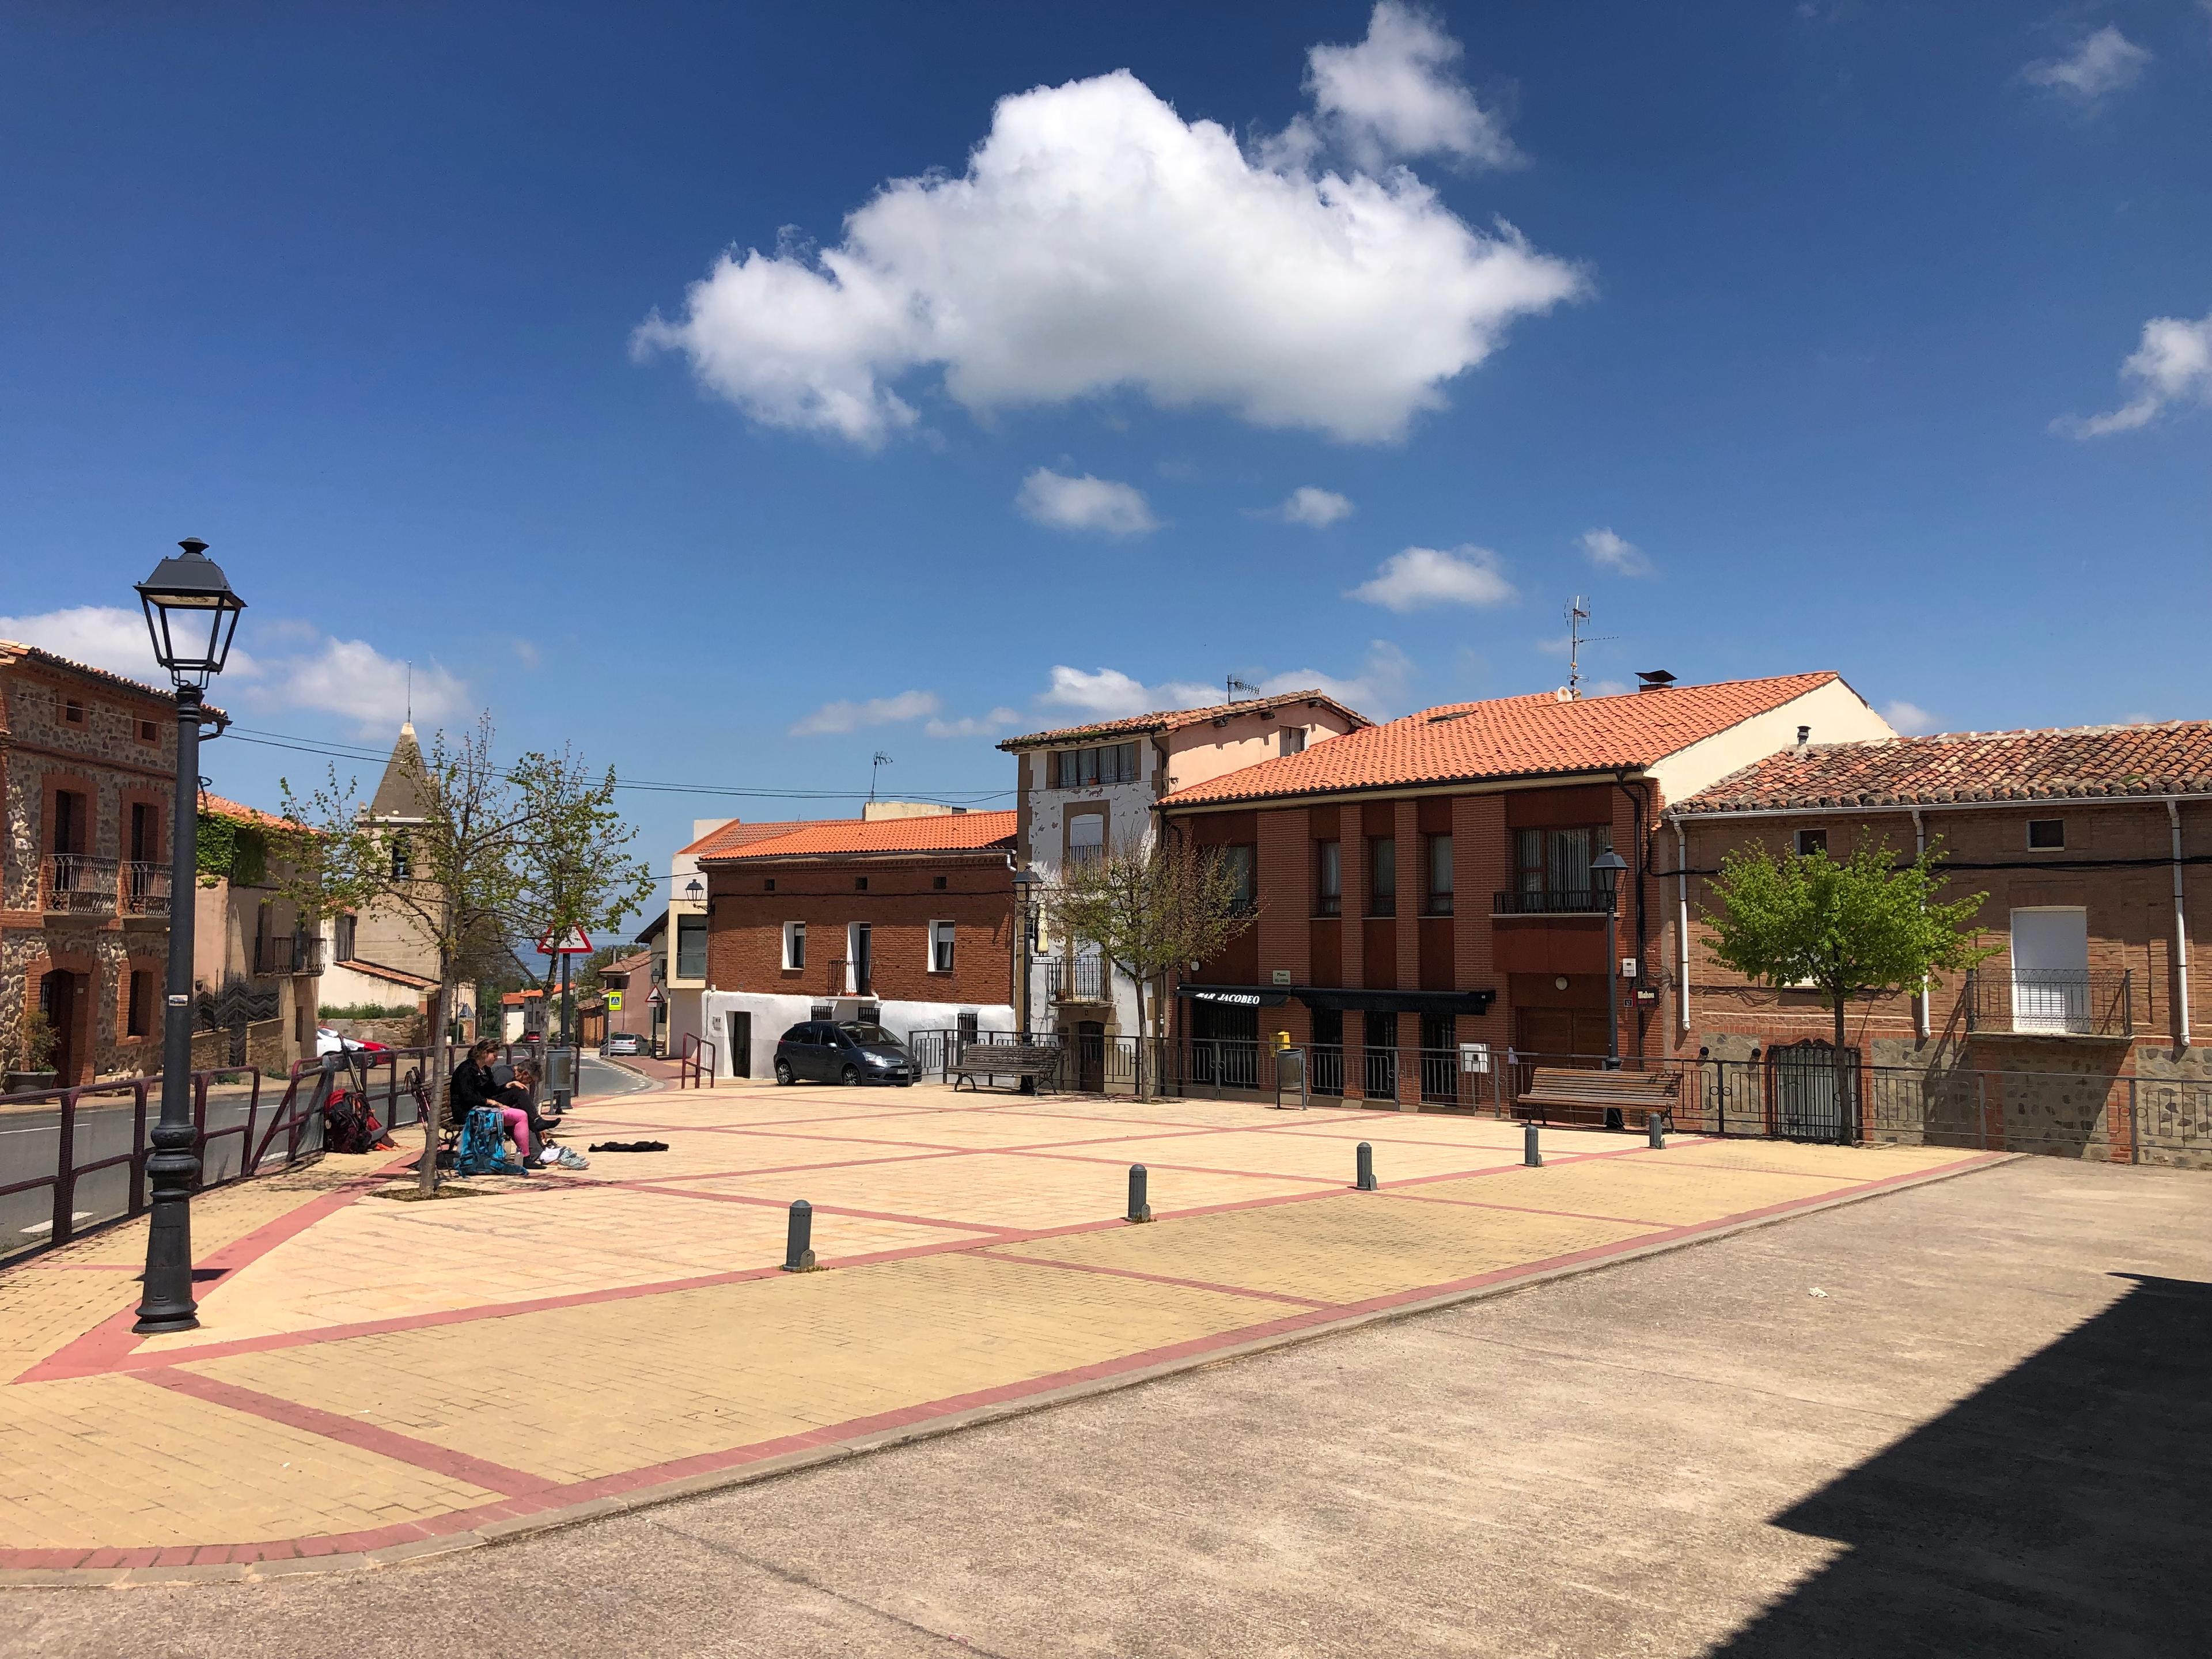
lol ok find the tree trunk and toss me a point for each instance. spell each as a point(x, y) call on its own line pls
point(440, 1073)
point(1844, 1079)
point(1142, 1032)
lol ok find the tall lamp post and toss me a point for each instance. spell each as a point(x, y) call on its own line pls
point(1606, 869)
point(192, 614)
point(1025, 883)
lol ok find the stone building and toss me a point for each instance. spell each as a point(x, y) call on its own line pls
point(256, 965)
point(87, 770)
point(379, 956)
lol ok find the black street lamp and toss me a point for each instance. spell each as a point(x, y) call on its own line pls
point(1026, 884)
point(1607, 868)
point(192, 614)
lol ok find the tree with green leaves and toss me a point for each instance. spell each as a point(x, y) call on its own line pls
point(492, 853)
point(1864, 926)
point(1151, 908)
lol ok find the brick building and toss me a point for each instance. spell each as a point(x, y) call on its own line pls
point(907, 921)
point(88, 771)
point(1427, 883)
point(256, 963)
point(2091, 845)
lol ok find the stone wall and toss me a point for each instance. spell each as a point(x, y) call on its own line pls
point(404, 1033)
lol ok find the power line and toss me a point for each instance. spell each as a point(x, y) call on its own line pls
point(336, 751)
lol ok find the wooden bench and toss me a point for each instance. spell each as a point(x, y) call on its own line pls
point(1025, 1062)
point(1617, 1100)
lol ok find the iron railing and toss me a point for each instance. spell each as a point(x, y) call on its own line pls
point(1081, 979)
point(144, 888)
point(2051, 1002)
point(286, 953)
point(78, 883)
point(1550, 902)
point(75, 1158)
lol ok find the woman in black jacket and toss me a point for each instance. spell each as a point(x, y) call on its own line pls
point(474, 1086)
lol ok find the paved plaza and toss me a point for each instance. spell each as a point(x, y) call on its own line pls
point(376, 1380)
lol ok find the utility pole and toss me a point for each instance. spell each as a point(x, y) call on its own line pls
point(875, 766)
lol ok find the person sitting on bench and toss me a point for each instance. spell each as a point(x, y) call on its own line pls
point(474, 1088)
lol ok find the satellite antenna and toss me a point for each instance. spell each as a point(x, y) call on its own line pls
point(881, 761)
point(1237, 685)
point(1577, 614)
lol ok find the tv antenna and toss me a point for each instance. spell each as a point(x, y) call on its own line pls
point(876, 765)
point(1577, 614)
point(1237, 685)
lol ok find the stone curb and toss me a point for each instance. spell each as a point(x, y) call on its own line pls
point(670, 1491)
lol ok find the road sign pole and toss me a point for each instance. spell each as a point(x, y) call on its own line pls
point(563, 1096)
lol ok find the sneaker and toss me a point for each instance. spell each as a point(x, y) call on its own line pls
point(573, 1160)
point(551, 1155)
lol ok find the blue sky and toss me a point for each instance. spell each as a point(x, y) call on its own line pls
point(1873, 336)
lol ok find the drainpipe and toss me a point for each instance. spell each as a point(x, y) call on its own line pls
point(1682, 928)
point(1919, 850)
point(2180, 933)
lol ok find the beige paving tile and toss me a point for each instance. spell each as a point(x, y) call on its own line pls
point(1334, 1250)
point(1330, 1158)
point(1851, 1163)
point(1657, 1190)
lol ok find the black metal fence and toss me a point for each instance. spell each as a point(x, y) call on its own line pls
point(74, 1159)
point(2053, 1001)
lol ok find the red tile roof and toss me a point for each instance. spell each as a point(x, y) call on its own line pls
point(737, 833)
point(2059, 763)
point(16, 651)
point(1174, 720)
point(244, 814)
point(1508, 737)
point(951, 832)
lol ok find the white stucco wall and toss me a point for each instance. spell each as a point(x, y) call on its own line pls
point(773, 1015)
point(1835, 712)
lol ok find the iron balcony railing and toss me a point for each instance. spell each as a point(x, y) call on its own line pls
point(79, 883)
point(2051, 1002)
point(1549, 902)
point(288, 954)
point(144, 888)
point(1081, 980)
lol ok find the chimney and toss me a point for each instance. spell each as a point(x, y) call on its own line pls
point(1654, 679)
point(1804, 738)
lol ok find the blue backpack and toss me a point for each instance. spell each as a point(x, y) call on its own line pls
point(479, 1152)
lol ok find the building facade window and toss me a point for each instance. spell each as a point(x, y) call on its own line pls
point(860, 958)
point(402, 865)
point(1242, 864)
point(1439, 875)
point(1084, 768)
point(794, 945)
point(691, 947)
point(72, 712)
point(1328, 878)
point(138, 1012)
point(342, 933)
point(1810, 841)
point(941, 947)
point(1552, 866)
point(149, 732)
point(1383, 876)
point(1086, 838)
point(1294, 740)
point(2046, 834)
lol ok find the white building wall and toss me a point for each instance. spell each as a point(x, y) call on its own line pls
point(774, 1014)
point(1129, 821)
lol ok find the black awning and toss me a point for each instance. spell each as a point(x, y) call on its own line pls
point(1323, 996)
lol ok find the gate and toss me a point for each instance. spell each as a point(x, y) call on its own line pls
point(1802, 1104)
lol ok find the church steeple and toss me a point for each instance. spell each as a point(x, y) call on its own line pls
point(399, 796)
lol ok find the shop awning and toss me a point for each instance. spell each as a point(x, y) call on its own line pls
point(1350, 1001)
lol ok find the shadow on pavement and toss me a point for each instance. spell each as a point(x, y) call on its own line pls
point(2062, 1509)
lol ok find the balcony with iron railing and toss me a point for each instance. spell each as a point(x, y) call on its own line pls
point(144, 890)
point(276, 955)
point(77, 884)
point(1549, 902)
point(1080, 980)
point(2079, 1002)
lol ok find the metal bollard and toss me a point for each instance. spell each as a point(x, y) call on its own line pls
point(799, 1244)
point(1531, 1154)
point(1655, 1124)
point(1363, 1164)
point(1139, 1209)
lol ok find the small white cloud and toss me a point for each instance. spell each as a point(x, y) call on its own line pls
point(1379, 690)
point(1609, 552)
point(350, 678)
point(1908, 718)
point(1317, 509)
point(527, 652)
point(990, 725)
point(2172, 366)
point(1110, 694)
point(845, 715)
point(1097, 506)
point(2105, 62)
point(1423, 577)
point(1395, 95)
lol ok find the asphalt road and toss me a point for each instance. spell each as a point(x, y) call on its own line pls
point(1962, 1420)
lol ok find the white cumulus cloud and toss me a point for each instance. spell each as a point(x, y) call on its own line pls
point(1099, 506)
point(1909, 718)
point(306, 670)
point(1379, 690)
point(2171, 366)
point(1098, 241)
point(1421, 578)
point(986, 725)
point(1610, 552)
point(1398, 95)
point(847, 715)
point(1315, 508)
point(1110, 694)
point(2105, 62)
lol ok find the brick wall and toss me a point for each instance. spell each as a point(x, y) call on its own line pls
point(744, 926)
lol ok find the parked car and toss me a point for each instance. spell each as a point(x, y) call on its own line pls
point(328, 1042)
point(625, 1043)
point(825, 1051)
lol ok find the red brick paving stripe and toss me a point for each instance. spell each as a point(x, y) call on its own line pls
point(835, 1209)
point(997, 1255)
point(349, 1431)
